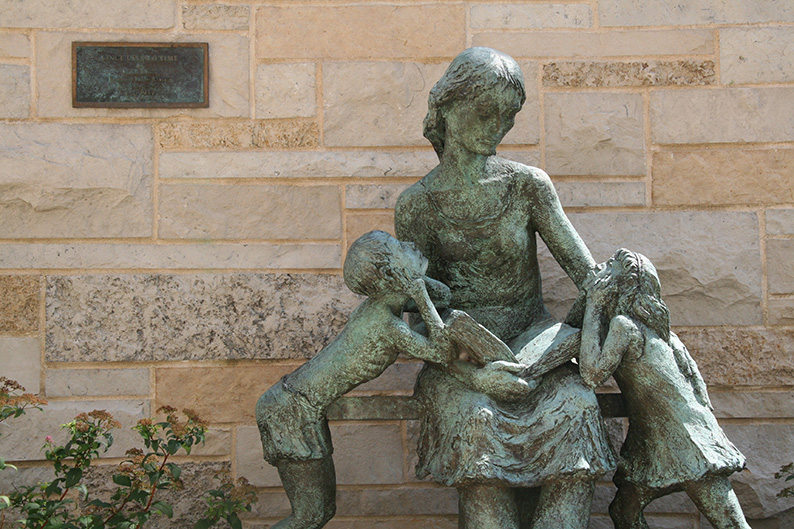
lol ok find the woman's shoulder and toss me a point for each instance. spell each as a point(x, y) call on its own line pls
point(526, 177)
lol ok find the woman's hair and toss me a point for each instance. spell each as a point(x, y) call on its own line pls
point(365, 257)
point(640, 294)
point(474, 70)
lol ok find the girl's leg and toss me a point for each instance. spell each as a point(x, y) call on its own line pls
point(487, 507)
point(630, 500)
point(564, 505)
point(311, 489)
point(527, 501)
point(715, 498)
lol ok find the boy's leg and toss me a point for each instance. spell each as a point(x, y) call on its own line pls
point(311, 489)
point(487, 507)
point(630, 500)
point(564, 504)
point(715, 498)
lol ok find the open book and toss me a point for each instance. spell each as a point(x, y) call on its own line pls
point(476, 342)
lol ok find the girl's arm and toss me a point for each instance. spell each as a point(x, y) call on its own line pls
point(597, 362)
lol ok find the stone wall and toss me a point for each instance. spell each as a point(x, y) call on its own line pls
point(192, 257)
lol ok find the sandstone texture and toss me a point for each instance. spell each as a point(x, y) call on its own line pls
point(662, 13)
point(296, 164)
point(780, 221)
point(224, 17)
point(193, 317)
point(757, 55)
point(600, 194)
point(739, 357)
point(348, 32)
point(359, 224)
point(20, 359)
point(229, 90)
point(709, 262)
point(14, 91)
point(97, 382)
point(590, 44)
point(533, 16)
point(752, 404)
point(594, 133)
point(75, 180)
point(781, 311)
point(780, 265)
point(636, 73)
point(228, 135)
point(373, 196)
point(723, 176)
point(249, 212)
point(14, 45)
point(132, 14)
point(19, 312)
point(286, 90)
point(731, 115)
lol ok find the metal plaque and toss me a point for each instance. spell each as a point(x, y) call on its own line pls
point(140, 74)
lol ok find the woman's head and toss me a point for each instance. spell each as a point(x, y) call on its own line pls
point(473, 72)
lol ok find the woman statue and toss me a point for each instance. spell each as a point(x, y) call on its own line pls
point(475, 217)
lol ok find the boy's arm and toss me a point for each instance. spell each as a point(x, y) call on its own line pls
point(436, 349)
point(439, 293)
point(417, 290)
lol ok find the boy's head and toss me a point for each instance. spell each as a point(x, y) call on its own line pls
point(372, 257)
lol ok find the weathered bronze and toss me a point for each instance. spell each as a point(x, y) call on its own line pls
point(140, 74)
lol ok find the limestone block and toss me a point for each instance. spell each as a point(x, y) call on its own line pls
point(249, 212)
point(755, 404)
point(20, 359)
point(19, 312)
point(399, 377)
point(396, 523)
point(215, 17)
point(286, 90)
point(14, 45)
point(348, 32)
point(193, 317)
point(137, 14)
point(636, 73)
point(23, 439)
point(359, 224)
point(245, 256)
point(601, 194)
point(757, 55)
point(723, 176)
point(734, 357)
point(780, 265)
point(14, 91)
point(296, 164)
point(75, 180)
point(373, 196)
point(250, 463)
point(709, 262)
point(537, 16)
point(229, 90)
point(229, 135)
point(531, 158)
point(594, 133)
point(780, 221)
point(731, 115)
point(781, 311)
point(663, 13)
point(617, 43)
point(97, 382)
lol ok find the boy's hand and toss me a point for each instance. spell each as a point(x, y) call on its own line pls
point(412, 286)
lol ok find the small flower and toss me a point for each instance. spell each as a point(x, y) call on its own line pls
point(48, 439)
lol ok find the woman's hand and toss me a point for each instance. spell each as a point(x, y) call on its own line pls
point(501, 381)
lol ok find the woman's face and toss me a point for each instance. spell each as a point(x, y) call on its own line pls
point(478, 123)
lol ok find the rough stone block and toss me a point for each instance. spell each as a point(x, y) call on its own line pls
point(781, 311)
point(723, 176)
point(662, 13)
point(601, 194)
point(193, 317)
point(756, 55)
point(617, 43)
point(780, 221)
point(296, 164)
point(132, 14)
point(348, 32)
point(233, 135)
point(97, 382)
point(743, 356)
point(75, 180)
point(534, 16)
point(359, 224)
point(637, 73)
point(376, 196)
point(594, 133)
point(229, 90)
point(24, 441)
point(780, 265)
point(14, 91)
point(14, 45)
point(20, 359)
point(753, 404)
point(249, 212)
point(286, 90)
point(19, 312)
point(709, 262)
point(224, 17)
point(201, 256)
point(730, 115)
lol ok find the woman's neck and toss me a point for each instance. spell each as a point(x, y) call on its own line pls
point(460, 167)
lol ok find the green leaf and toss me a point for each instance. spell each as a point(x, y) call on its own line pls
point(122, 479)
point(234, 521)
point(5, 502)
point(204, 523)
point(163, 508)
point(176, 471)
point(73, 477)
